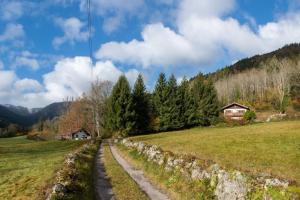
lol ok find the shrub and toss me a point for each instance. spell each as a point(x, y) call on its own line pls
point(249, 116)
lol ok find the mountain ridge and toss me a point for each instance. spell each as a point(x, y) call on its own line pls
point(9, 114)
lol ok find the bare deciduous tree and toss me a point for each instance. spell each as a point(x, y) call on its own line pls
point(99, 92)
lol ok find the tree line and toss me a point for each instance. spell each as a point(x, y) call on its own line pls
point(169, 107)
point(121, 110)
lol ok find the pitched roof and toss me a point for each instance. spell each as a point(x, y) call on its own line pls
point(235, 104)
point(78, 130)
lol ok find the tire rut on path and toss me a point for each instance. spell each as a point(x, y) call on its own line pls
point(137, 175)
point(103, 190)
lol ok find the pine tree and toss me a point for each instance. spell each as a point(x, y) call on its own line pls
point(187, 105)
point(211, 108)
point(160, 96)
point(205, 98)
point(121, 108)
point(141, 106)
point(171, 118)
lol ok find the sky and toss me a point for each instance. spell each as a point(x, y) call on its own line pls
point(44, 44)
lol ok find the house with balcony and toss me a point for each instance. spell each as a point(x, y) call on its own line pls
point(235, 111)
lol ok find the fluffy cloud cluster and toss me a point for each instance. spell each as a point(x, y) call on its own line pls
point(203, 31)
point(70, 78)
point(72, 28)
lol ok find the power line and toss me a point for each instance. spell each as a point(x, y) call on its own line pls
point(90, 34)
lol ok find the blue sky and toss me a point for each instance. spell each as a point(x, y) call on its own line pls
point(44, 44)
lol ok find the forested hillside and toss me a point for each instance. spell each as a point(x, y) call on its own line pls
point(266, 82)
point(12, 122)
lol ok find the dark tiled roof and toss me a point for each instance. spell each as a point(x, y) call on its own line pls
point(235, 104)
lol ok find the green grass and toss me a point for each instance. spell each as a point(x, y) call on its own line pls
point(272, 148)
point(28, 167)
point(123, 186)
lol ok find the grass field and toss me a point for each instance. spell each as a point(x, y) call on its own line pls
point(272, 148)
point(123, 186)
point(27, 167)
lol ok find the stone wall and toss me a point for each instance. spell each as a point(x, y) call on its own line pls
point(227, 185)
point(67, 182)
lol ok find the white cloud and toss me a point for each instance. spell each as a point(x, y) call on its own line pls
point(203, 32)
point(11, 10)
point(111, 24)
point(11, 32)
point(27, 62)
point(26, 59)
point(160, 46)
point(7, 78)
point(72, 28)
point(205, 8)
point(27, 85)
point(286, 30)
point(70, 78)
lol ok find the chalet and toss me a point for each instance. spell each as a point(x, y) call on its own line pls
point(79, 134)
point(234, 111)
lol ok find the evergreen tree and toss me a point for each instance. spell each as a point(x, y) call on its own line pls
point(205, 98)
point(141, 106)
point(187, 105)
point(121, 111)
point(171, 119)
point(160, 96)
point(211, 108)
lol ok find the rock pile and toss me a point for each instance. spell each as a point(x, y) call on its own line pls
point(226, 185)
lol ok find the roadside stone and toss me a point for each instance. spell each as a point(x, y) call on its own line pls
point(231, 186)
point(195, 173)
point(276, 183)
point(59, 188)
point(140, 147)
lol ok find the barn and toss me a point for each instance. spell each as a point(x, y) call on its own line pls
point(235, 111)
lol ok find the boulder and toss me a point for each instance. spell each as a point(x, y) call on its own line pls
point(231, 186)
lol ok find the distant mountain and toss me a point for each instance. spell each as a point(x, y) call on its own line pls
point(8, 116)
point(50, 111)
point(22, 110)
point(17, 109)
point(22, 116)
point(35, 110)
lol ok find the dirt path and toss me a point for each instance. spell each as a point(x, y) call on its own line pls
point(137, 175)
point(103, 188)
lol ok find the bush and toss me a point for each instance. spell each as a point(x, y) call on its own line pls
point(249, 116)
